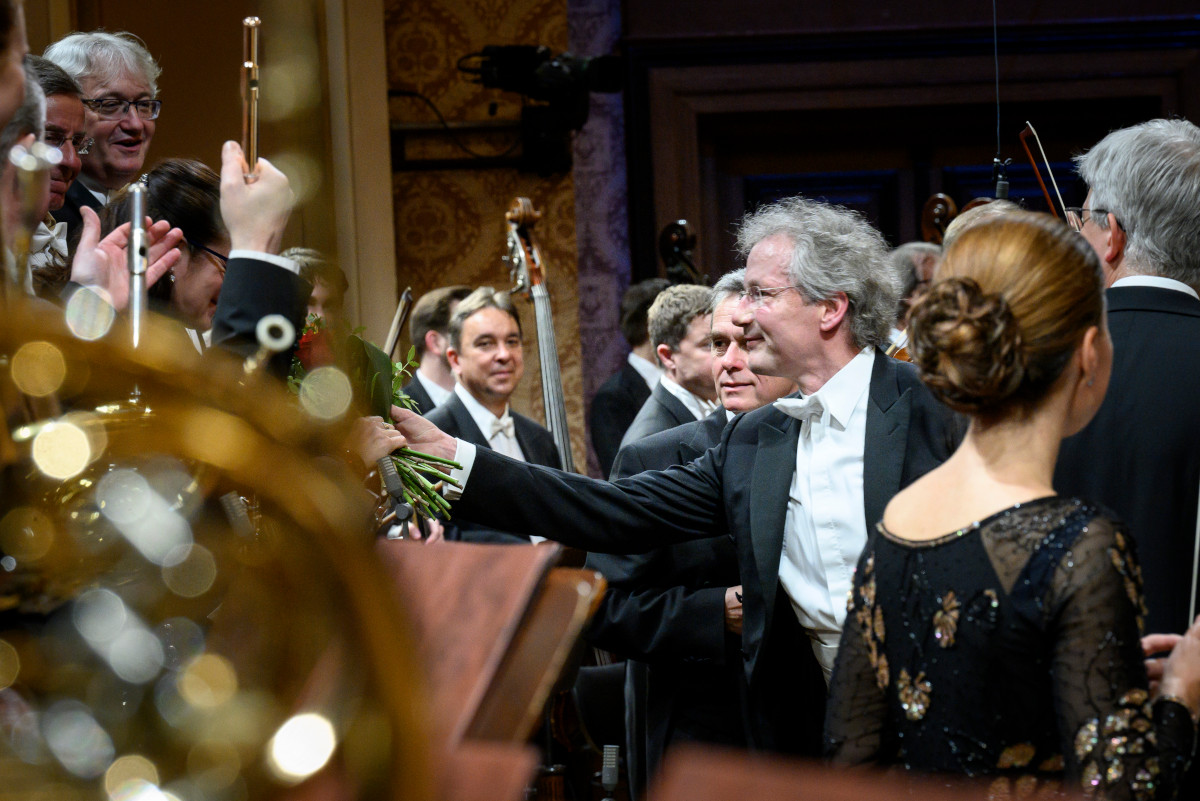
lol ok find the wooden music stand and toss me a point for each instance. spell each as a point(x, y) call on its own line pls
point(495, 625)
point(693, 773)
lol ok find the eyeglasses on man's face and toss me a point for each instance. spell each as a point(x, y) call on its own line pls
point(1078, 215)
point(114, 108)
point(758, 295)
point(80, 143)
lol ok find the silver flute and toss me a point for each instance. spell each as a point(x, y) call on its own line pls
point(138, 261)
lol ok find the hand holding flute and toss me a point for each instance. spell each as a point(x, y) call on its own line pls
point(256, 212)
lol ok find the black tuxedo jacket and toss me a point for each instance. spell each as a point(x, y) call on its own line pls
point(665, 611)
point(741, 487)
point(660, 412)
point(536, 443)
point(415, 390)
point(1140, 455)
point(613, 408)
point(77, 197)
point(252, 290)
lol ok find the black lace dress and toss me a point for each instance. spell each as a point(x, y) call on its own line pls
point(1010, 650)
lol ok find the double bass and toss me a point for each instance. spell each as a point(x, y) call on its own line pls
point(529, 278)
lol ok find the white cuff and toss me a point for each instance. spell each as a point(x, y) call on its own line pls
point(278, 261)
point(464, 454)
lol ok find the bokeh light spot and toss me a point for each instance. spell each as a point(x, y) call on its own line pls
point(209, 681)
point(326, 393)
point(26, 534)
point(301, 747)
point(136, 655)
point(61, 450)
point(10, 664)
point(303, 172)
point(77, 741)
point(99, 615)
point(38, 369)
point(190, 571)
point(143, 516)
point(128, 770)
point(89, 314)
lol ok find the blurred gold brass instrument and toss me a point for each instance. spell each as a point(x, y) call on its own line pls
point(151, 647)
point(250, 94)
point(138, 258)
point(33, 166)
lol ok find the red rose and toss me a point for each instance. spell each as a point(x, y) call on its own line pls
point(315, 349)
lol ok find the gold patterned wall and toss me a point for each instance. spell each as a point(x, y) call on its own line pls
point(450, 223)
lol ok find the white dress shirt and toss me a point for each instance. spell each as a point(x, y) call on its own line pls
point(501, 437)
point(1155, 281)
point(648, 370)
point(48, 245)
point(825, 529)
point(699, 407)
point(500, 433)
point(437, 393)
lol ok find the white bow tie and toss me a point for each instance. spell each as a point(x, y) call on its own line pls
point(803, 409)
point(505, 426)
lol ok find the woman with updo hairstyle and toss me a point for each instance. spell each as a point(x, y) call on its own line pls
point(187, 194)
point(995, 627)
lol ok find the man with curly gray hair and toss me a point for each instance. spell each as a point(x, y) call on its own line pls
point(797, 483)
point(1140, 455)
point(119, 79)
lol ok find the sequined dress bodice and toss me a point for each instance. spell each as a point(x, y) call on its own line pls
point(1009, 650)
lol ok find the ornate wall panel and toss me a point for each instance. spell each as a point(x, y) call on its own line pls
point(450, 223)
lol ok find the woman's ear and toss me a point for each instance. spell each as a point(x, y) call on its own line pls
point(1088, 355)
point(1092, 364)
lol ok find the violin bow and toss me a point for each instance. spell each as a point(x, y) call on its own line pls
point(1024, 136)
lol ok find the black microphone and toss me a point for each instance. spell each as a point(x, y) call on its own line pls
point(395, 488)
point(391, 479)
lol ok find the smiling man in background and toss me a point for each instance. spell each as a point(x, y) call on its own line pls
point(119, 78)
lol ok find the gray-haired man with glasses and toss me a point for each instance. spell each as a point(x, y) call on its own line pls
point(1140, 455)
point(118, 78)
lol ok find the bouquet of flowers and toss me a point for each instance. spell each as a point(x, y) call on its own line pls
point(379, 382)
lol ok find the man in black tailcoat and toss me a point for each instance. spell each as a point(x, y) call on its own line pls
point(1140, 455)
point(819, 300)
point(675, 613)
